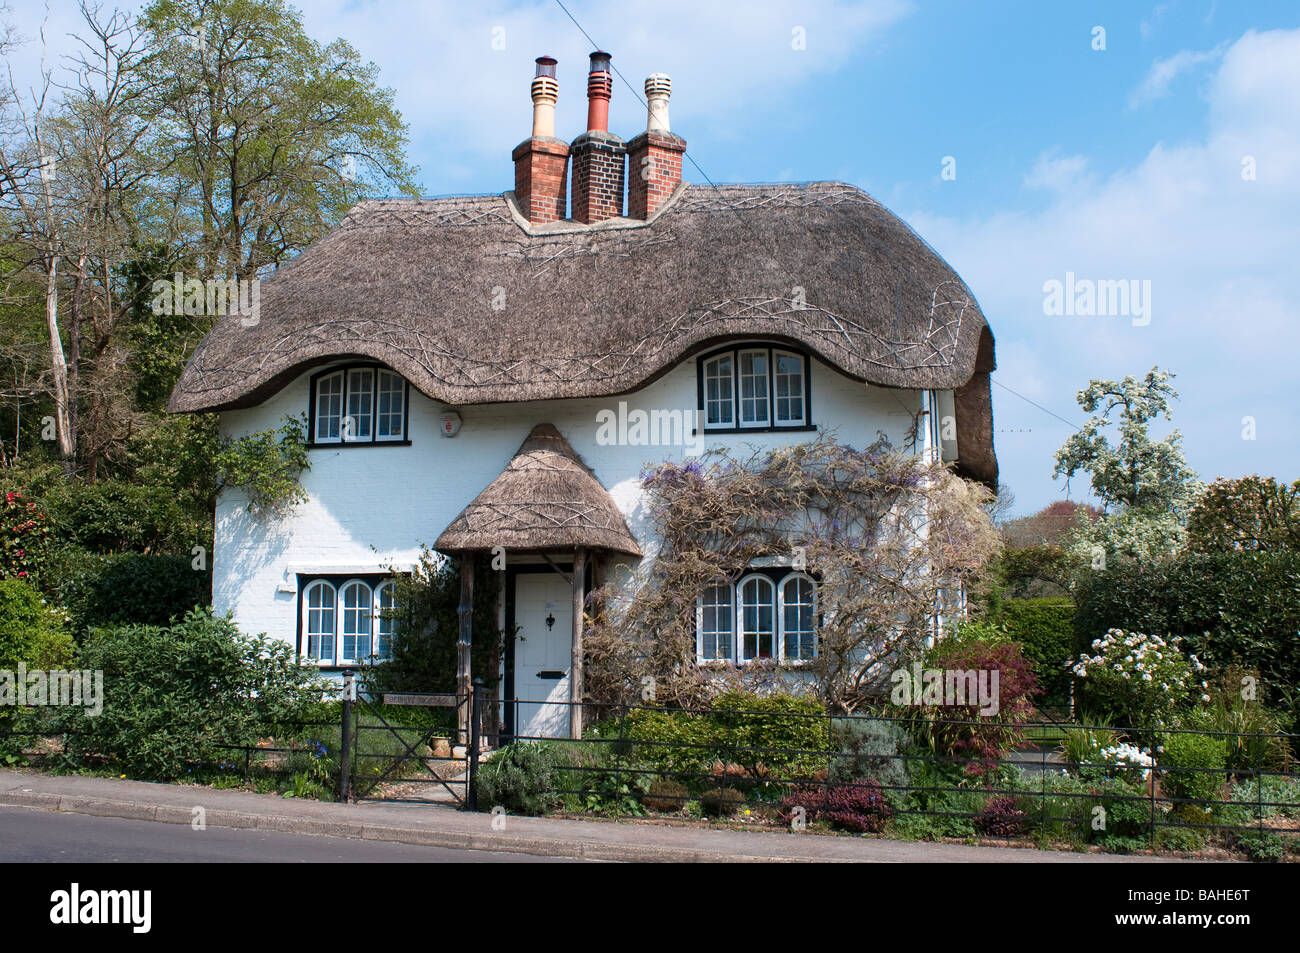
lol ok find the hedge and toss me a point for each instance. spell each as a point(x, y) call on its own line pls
point(1239, 608)
point(129, 588)
point(1045, 630)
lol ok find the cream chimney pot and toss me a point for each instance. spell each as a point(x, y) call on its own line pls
point(545, 91)
point(658, 87)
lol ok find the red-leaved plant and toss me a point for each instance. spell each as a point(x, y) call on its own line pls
point(967, 731)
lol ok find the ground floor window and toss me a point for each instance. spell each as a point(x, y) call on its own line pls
point(347, 620)
point(764, 615)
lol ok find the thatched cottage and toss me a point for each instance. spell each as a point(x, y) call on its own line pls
point(492, 373)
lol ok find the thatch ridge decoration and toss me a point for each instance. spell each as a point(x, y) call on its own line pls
point(546, 499)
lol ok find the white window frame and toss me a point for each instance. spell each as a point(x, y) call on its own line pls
point(379, 623)
point(709, 371)
point(368, 607)
point(780, 609)
point(356, 414)
point(319, 657)
point(766, 355)
point(336, 657)
point(317, 416)
point(777, 419)
point(741, 631)
point(737, 634)
point(349, 405)
point(397, 394)
point(730, 617)
point(729, 399)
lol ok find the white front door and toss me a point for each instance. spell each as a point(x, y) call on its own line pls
point(544, 615)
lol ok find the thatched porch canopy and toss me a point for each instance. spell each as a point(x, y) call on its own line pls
point(546, 499)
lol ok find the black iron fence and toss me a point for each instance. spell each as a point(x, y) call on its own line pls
point(912, 775)
point(1048, 781)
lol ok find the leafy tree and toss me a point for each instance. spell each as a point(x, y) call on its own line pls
point(1145, 484)
point(1137, 472)
point(267, 136)
point(1251, 513)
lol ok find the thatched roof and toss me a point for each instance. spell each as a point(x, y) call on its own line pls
point(545, 499)
point(473, 305)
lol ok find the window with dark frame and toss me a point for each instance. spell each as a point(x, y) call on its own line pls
point(359, 404)
point(346, 620)
point(768, 614)
point(754, 387)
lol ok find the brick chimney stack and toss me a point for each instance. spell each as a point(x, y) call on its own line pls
point(655, 156)
point(597, 154)
point(541, 161)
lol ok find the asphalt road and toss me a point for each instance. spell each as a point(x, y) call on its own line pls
point(29, 835)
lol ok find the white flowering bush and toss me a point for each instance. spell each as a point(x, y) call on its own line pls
point(1127, 762)
point(1139, 681)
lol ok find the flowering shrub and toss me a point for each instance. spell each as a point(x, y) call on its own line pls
point(1131, 763)
point(1139, 679)
point(24, 537)
point(888, 534)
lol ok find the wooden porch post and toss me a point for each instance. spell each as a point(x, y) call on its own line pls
point(575, 661)
point(463, 645)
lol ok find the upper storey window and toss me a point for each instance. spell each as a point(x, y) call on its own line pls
point(364, 404)
point(754, 387)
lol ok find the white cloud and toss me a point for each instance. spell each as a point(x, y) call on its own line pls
point(1155, 85)
point(1056, 172)
point(468, 102)
point(1219, 250)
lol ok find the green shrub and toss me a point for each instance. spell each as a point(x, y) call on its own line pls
point(426, 628)
point(1248, 729)
point(1263, 846)
point(175, 697)
point(1280, 798)
point(1127, 816)
point(671, 742)
point(1139, 680)
point(778, 735)
point(31, 632)
point(666, 795)
point(721, 802)
point(793, 728)
point(1191, 766)
point(942, 801)
point(1230, 608)
point(868, 750)
point(129, 588)
point(518, 778)
point(1045, 630)
point(113, 516)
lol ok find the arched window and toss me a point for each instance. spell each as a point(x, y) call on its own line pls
point(757, 618)
point(798, 612)
point(714, 624)
point(754, 387)
point(385, 624)
point(320, 603)
point(358, 610)
point(362, 404)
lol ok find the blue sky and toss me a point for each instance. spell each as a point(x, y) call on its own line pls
point(1122, 163)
